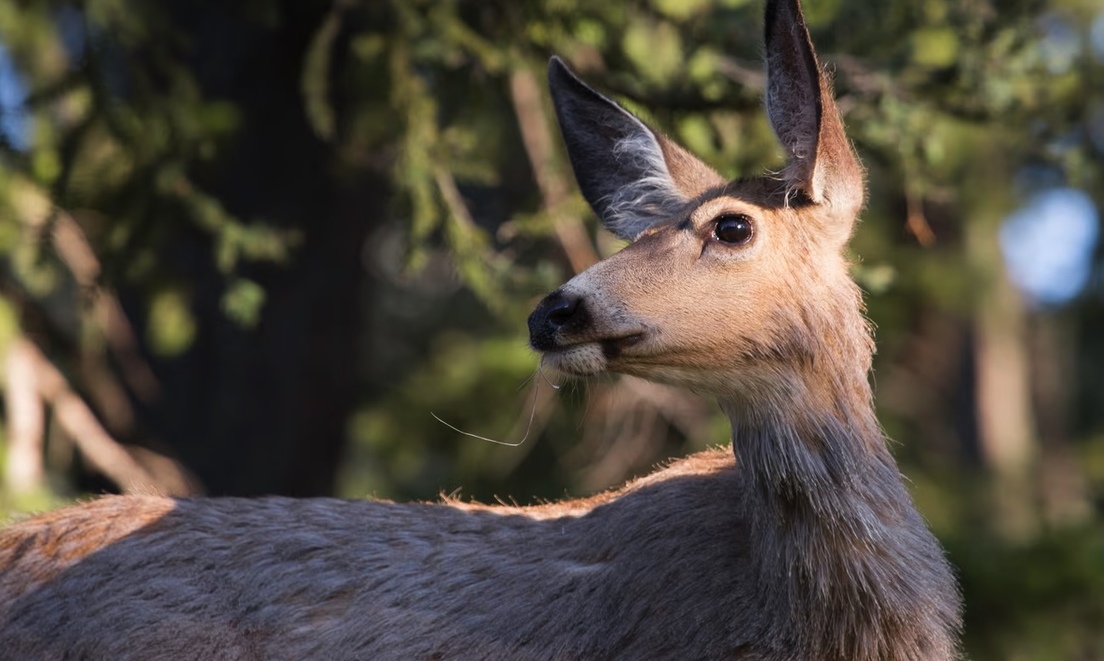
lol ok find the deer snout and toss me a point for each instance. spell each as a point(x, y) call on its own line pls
point(559, 310)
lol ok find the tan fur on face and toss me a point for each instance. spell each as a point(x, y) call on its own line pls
point(718, 318)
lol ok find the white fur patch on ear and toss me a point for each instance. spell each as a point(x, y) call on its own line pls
point(649, 199)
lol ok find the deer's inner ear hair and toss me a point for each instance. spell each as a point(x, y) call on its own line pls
point(735, 229)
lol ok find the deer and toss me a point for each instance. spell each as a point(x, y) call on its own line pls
point(798, 542)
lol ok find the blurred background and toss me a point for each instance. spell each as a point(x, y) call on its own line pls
point(249, 247)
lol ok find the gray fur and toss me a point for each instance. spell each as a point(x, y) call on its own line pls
point(798, 543)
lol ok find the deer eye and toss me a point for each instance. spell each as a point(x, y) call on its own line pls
point(733, 229)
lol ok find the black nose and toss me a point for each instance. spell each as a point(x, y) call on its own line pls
point(557, 310)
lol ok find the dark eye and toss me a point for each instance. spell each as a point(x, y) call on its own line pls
point(733, 229)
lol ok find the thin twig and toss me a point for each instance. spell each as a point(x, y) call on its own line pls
point(23, 470)
point(75, 251)
point(916, 221)
point(533, 122)
point(102, 451)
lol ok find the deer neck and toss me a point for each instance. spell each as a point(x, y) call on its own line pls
point(837, 543)
point(815, 454)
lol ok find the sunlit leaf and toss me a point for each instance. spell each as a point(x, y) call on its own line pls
point(654, 47)
point(242, 301)
point(171, 326)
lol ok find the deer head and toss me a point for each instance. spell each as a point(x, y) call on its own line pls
point(737, 289)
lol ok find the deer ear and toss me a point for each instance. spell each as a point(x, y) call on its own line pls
point(820, 160)
point(632, 176)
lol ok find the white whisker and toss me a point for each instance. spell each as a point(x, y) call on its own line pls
point(528, 426)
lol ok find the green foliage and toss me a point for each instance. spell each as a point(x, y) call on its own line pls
point(654, 48)
point(1043, 600)
point(242, 302)
point(171, 325)
point(124, 156)
point(459, 369)
point(9, 327)
point(955, 107)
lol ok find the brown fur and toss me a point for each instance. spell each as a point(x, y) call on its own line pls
point(799, 543)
